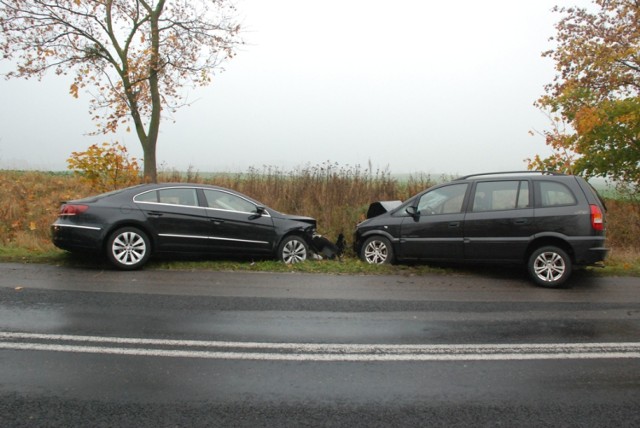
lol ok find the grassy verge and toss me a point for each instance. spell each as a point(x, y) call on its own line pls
point(618, 265)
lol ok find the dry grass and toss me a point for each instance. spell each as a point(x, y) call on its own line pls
point(29, 203)
point(623, 225)
point(338, 197)
point(335, 195)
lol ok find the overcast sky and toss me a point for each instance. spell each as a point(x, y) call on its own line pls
point(409, 85)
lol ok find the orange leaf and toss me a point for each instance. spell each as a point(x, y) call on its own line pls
point(73, 90)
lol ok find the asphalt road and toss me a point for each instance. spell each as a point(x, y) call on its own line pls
point(83, 347)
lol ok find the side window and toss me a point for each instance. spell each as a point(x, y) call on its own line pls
point(555, 194)
point(151, 196)
point(501, 195)
point(226, 201)
point(444, 200)
point(178, 196)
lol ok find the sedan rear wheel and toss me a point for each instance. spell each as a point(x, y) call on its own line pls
point(128, 248)
point(377, 251)
point(293, 249)
point(549, 266)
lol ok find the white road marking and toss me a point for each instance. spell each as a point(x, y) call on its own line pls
point(313, 351)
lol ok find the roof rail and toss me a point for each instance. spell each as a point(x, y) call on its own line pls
point(510, 172)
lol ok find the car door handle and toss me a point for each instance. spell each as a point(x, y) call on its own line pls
point(216, 221)
point(454, 224)
point(155, 214)
point(521, 221)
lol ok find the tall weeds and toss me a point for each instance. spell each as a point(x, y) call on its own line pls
point(337, 196)
point(623, 225)
point(29, 203)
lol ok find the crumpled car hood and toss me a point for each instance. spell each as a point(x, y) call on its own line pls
point(381, 207)
point(310, 220)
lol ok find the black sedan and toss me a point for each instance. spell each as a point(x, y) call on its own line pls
point(131, 224)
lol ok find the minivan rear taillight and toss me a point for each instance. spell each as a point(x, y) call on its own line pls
point(597, 219)
point(72, 209)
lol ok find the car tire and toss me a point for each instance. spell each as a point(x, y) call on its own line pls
point(377, 250)
point(128, 248)
point(549, 266)
point(293, 249)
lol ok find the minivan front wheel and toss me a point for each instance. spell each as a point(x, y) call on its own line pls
point(377, 251)
point(549, 266)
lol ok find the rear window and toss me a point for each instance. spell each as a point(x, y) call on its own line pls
point(596, 195)
point(553, 194)
point(178, 196)
point(151, 196)
point(170, 196)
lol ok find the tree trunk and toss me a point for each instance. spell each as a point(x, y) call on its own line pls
point(150, 173)
point(149, 164)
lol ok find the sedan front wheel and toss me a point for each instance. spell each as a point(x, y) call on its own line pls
point(293, 249)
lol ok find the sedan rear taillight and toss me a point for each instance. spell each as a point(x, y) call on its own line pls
point(597, 219)
point(72, 209)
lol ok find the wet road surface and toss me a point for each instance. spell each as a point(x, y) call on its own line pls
point(166, 348)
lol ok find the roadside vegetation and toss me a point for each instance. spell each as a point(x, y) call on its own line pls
point(337, 196)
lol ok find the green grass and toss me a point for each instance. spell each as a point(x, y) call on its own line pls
point(614, 266)
point(25, 255)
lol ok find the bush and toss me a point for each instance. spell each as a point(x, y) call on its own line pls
point(106, 167)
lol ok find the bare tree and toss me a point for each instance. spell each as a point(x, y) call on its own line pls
point(134, 56)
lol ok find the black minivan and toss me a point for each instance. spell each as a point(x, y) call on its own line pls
point(548, 221)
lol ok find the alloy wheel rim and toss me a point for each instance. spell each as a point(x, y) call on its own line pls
point(549, 266)
point(376, 252)
point(129, 248)
point(294, 252)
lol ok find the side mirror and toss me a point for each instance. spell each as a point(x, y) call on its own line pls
point(260, 210)
point(413, 212)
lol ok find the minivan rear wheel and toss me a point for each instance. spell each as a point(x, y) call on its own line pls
point(549, 266)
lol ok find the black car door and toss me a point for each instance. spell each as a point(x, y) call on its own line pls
point(499, 221)
point(239, 226)
point(435, 232)
point(177, 219)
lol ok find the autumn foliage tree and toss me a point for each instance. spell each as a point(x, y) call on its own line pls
point(106, 167)
point(594, 99)
point(134, 56)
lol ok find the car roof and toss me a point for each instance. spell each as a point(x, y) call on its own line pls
point(155, 186)
point(511, 174)
point(150, 186)
point(142, 188)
